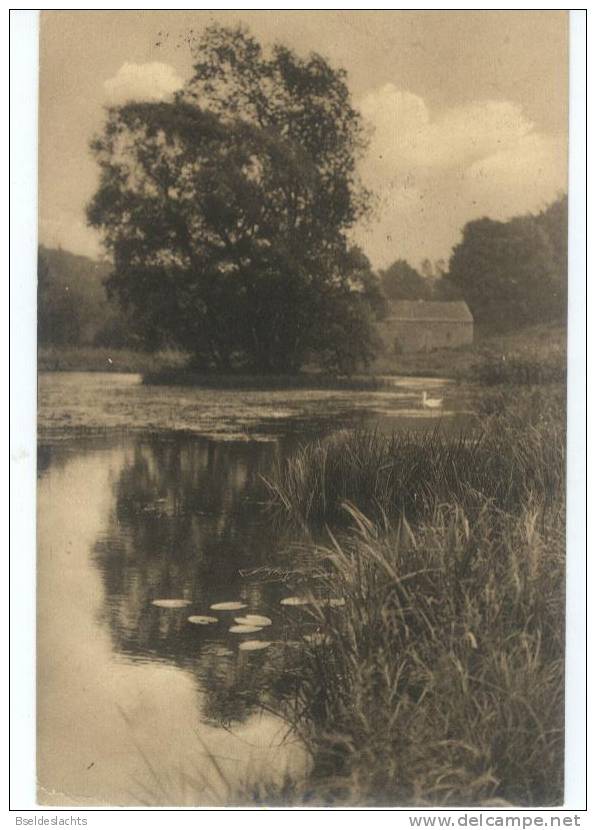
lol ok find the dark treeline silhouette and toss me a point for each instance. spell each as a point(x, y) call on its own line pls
point(514, 273)
point(72, 306)
point(226, 211)
point(510, 273)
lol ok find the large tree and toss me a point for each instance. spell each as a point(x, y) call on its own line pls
point(506, 272)
point(226, 210)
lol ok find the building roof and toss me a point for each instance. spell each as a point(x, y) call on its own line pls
point(430, 311)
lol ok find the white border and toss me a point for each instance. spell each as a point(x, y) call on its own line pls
point(23, 327)
point(575, 674)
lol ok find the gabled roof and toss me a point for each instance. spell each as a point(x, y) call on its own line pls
point(430, 311)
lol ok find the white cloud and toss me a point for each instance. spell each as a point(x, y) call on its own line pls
point(520, 178)
point(142, 82)
point(407, 135)
point(433, 173)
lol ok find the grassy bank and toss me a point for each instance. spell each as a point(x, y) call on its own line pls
point(536, 354)
point(441, 679)
point(100, 359)
point(531, 355)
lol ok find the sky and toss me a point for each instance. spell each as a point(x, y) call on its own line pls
point(467, 110)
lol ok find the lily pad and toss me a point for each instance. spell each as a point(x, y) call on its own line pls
point(228, 606)
point(245, 629)
point(253, 619)
point(199, 619)
point(253, 645)
point(294, 601)
point(171, 603)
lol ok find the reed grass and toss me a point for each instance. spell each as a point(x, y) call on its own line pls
point(515, 452)
point(441, 680)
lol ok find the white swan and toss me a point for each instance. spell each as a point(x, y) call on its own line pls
point(431, 403)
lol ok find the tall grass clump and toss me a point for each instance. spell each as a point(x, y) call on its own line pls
point(501, 462)
point(519, 369)
point(441, 679)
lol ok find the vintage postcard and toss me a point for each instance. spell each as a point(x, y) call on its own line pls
point(302, 343)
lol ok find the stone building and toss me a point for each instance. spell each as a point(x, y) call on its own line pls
point(421, 325)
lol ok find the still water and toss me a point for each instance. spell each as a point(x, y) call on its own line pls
point(153, 493)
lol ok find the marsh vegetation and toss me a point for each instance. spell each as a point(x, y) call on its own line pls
point(441, 681)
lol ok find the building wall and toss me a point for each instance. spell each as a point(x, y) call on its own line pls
point(418, 336)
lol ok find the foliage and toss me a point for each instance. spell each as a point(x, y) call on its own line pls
point(52, 358)
point(519, 369)
point(402, 282)
point(554, 221)
point(513, 273)
point(226, 210)
point(445, 290)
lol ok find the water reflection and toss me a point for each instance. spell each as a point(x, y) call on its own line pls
point(148, 518)
point(126, 518)
point(188, 516)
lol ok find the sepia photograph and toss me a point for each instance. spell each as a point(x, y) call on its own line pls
point(301, 414)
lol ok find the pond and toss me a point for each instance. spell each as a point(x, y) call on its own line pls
point(148, 494)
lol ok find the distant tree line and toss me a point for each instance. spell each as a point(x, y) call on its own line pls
point(510, 273)
point(72, 306)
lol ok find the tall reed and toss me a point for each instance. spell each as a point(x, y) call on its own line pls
point(441, 679)
point(502, 462)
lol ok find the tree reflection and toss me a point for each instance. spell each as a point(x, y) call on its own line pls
point(188, 514)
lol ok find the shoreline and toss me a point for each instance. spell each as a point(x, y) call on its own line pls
point(531, 355)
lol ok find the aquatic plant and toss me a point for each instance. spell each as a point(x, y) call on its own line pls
point(253, 619)
point(411, 474)
point(227, 606)
point(254, 645)
point(294, 601)
point(198, 619)
point(441, 681)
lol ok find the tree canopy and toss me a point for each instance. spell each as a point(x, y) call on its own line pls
point(226, 210)
point(514, 273)
point(403, 282)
